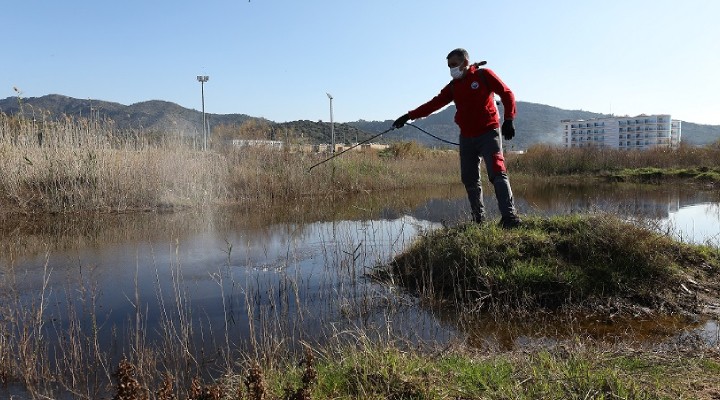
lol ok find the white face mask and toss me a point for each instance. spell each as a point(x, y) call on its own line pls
point(457, 72)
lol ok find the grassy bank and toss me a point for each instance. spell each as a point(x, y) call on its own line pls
point(391, 372)
point(565, 261)
point(702, 175)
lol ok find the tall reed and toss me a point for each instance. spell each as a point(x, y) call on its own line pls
point(277, 175)
point(549, 160)
point(70, 165)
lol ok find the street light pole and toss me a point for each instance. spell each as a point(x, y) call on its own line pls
point(202, 79)
point(332, 126)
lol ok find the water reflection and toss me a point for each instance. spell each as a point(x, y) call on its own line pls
point(297, 272)
point(547, 329)
point(697, 223)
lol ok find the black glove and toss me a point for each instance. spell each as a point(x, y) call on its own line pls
point(400, 122)
point(508, 130)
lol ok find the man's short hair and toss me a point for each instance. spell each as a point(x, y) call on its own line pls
point(458, 52)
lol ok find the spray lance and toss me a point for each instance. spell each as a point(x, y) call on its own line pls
point(476, 65)
point(376, 136)
point(350, 148)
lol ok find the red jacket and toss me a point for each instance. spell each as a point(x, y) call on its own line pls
point(474, 100)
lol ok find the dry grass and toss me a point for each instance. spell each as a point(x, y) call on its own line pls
point(72, 165)
point(547, 160)
point(256, 174)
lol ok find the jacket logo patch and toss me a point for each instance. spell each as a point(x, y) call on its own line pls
point(474, 85)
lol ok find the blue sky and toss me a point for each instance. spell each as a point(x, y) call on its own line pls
point(378, 58)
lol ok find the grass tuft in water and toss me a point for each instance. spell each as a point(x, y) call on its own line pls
point(549, 263)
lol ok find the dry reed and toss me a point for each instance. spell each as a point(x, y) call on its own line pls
point(72, 165)
point(546, 160)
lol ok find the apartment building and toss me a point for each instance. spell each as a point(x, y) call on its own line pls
point(628, 133)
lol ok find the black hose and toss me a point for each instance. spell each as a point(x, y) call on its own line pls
point(428, 133)
point(378, 135)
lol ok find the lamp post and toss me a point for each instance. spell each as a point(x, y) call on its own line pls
point(202, 79)
point(332, 126)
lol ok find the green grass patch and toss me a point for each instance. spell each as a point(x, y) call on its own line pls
point(710, 365)
point(387, 372)
point(549, 262)
point(656, 175)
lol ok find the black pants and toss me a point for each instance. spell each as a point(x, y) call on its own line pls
point(488, 147)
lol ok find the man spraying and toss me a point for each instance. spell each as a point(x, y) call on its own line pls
point(472, 89)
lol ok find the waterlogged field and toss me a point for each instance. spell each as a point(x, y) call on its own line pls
point(194, 292)
point(243, 261)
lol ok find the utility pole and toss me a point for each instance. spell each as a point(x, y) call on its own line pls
point(202, 79)
point(332, 126)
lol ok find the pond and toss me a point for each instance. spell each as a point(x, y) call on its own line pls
point(237, 279)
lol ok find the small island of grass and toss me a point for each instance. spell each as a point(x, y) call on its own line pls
point(574, 261)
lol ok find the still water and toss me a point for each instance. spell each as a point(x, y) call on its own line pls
point(249, 279)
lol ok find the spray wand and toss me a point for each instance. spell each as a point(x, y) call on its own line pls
point(378, 135)
point(351, 147)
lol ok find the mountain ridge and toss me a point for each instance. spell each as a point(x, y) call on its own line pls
point(535, 123)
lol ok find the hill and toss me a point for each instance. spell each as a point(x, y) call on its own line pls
point(152, 116)
point(319, 132)
point(535, 123)
point(167, 117)
point(700, 135)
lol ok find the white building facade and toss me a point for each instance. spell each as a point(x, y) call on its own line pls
point(626, 133)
